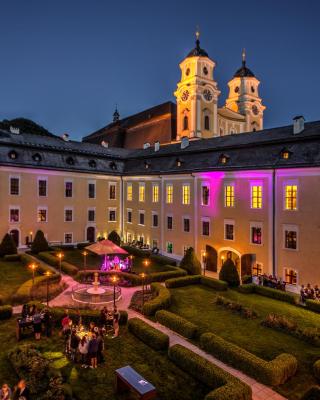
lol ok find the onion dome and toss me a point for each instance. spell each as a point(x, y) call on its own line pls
point(244, 71)
point(197, 51)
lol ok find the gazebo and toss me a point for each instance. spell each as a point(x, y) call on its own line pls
point(111, 253)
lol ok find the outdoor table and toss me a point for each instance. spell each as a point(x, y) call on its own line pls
point(127, 378)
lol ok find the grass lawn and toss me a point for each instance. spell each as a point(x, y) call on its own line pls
point(12, 275)
point(170, 381)
point(196, 303)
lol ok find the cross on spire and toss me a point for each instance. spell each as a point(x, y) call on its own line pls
point(243, 57)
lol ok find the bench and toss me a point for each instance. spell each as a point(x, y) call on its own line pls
point(128, 379)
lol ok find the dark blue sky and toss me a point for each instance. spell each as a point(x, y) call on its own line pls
point(66, 63)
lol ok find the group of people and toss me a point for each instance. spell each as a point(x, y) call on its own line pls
point(272, 282)
point(87, 345)
point(38, 318)
point(20, 392)
point(309, 293)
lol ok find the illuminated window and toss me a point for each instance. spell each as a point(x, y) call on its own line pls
point(129, 191)
point(14, 215)
point(112, 191)
point(169, 193)
point(256, 196)
point(142, 191)
point(205, 195)
point(42, 187)
point(155, 193)
point(229, 196)
point(291, 197)
point(257, 269)
point(42, 215)
point(256, 235)
point(14, 186)
point(290, 276)
point(68, 186)
point(186, 194)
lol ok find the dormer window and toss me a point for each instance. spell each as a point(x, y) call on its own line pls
point(223, 159)
point(92, 164)
point(113, 165)
point(285, 154)
point(13, 155)
point(70, 161)
point(37, 157)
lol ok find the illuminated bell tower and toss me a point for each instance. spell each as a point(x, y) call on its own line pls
point(197, 96)
point(244, 97)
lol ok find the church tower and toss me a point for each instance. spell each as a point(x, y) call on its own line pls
point(244, 97)
point(197, 96)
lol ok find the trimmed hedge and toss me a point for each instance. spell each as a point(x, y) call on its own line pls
point(164, 260)
point(161, 301)
point(316, 369)
point(183, 281)
point(224, 385)
point(68, 268)
point(12, 257)
point(246, 288)
point(269, 292)
point(272, 373)
point(214, 283)
point(164, 275)
point(147, 334)
point(48, 258)
point(5, 312)
point(313, 305)
point(176, 323)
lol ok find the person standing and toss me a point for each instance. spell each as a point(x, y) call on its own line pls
point(47, 320)
point(5, 392)
point(93, 351)
point(74, 343)
point(83, 350)
point(21, 392)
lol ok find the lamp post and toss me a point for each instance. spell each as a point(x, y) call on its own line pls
point(222, 260)
point(33, 268)
point(143, 275)
point(85, 253)
point(31, 236)
point(60, 256)
point(114, 280)
point(48, 274)
point(131, 261)
point(146, 264)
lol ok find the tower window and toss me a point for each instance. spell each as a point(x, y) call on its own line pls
point(236, 89)
point(207, 123)
point(185, 123)
point(252, 89)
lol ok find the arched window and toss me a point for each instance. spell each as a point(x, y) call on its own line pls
point(207, 123)
point(185, 123)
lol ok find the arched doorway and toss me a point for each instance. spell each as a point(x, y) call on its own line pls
point(229, 252)
point(15, 234)
point(91, 234)
point(211, 259)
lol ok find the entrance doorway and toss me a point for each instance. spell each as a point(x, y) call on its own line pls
point(211, 259)
point(226, 253)
point(91, 234)
point(15, 234)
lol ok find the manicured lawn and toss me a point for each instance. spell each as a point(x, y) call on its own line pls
point(12, 275)
point(196, 303)
point(170, 381)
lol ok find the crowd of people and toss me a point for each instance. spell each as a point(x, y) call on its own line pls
point(272, 282)
point(20, 391)
point(309, 293)
point(31, 315)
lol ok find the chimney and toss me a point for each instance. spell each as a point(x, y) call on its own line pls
point(104, 144)
point(157, 146)
point(146, 145)
point(184, 142)
point(65, 137)
point(298, 124)
point(14, 130)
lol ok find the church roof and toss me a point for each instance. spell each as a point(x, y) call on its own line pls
point(243, 71)
point(197, 51)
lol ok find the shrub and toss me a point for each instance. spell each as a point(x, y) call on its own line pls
point(176, 323)
point(12, 257)
point(183, 281)
point(246, 279)
point(68, 268)
point(245, 312)
point(313, 305)
point(48, 258)
point(312, 393)
point(164, 260)
point(276, 294)
point(5, 312)
point(224, 384)
point(190, 262)
point(164, 275)
point(147, 334)
point(213, 283)
point(274, 372)
point(161, 301)
point(316, 369)
point(114, 237)
point(229, 273)
point(39, 243)
point(247, 288)
point(7, 245)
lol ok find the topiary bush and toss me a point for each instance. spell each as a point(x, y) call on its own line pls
point(183, 281)
point(39, 243)
point(190, 262)
point(161, 301)
point(114, 237)
point(176, 323)
point(7, 246)
point(316, 369)
point(229, 273)
point(147, 334)
point(5, 312)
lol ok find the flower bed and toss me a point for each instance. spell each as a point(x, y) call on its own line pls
point(243, 311)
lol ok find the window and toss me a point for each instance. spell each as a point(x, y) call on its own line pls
point(68, 189)
point(14, 215)
point(91, 190)
point(257, 269)
point(112, 191)
point(68, 215)
point(207, 123)
point(155, 220)
point(169, 222)
point(291, 197)
point(256, 235)
point(169, 193)
point(42, 187)
point(205, 195)
point(142, 192)
point(129, 191)
point(290, 239)
point(256, 196)
point(112, 215)
point(155, 193)
point(129, 216)
point(185, 123)
point(91, 215)
point(186, 194)
point(14, 186)
point(205, 227)
point(42, 215)
point(290, 276)
point(229, 196)
point(169, 247)
point(186, 224)
point(141, 217)
point(229, 230)
point(68, 238)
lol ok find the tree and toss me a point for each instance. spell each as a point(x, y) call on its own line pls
point(114, 237)
point(191, 263)
point(229, 273)
point(7, 245)
point(39, 243)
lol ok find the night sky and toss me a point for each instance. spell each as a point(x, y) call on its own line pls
point(66, 63)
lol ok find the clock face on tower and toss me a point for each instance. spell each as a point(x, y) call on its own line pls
point(207, 95)
point(185, 95)
point(255, 110)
